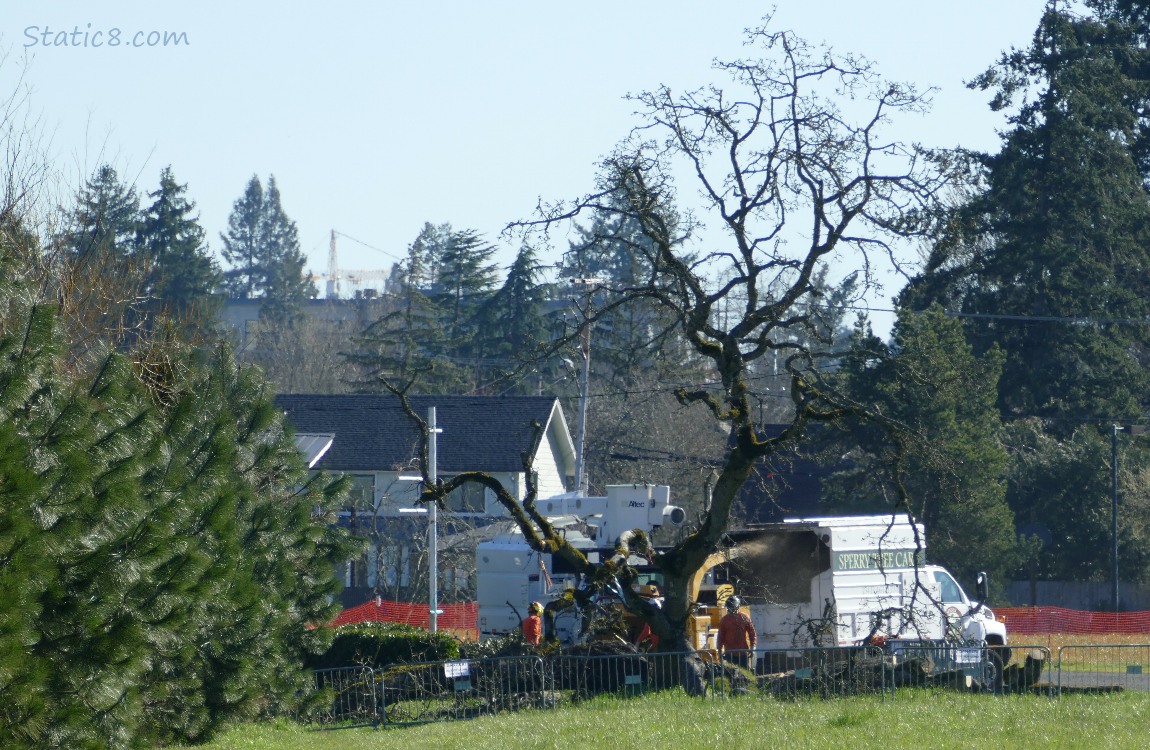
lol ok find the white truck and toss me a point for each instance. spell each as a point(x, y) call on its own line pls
point(846, 580)
point(510, 575)
point(835, 581)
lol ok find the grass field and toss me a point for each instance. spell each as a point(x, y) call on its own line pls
point(913, 720)
point(1054, 641)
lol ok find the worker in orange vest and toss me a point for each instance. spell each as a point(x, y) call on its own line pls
point(650, 592)
point(533, 624)
point(737, 638)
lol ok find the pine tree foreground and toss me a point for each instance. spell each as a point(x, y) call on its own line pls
point(163, 558)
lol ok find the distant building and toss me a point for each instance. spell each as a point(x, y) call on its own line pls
point(240, 318)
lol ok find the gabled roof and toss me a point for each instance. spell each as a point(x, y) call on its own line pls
point(372, 433)
point(313, 446)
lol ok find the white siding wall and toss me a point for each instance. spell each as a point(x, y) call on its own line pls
point(547, 469)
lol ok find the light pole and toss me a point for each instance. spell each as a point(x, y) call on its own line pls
point(432, 511)
point(1133, 429)
point(432, 523)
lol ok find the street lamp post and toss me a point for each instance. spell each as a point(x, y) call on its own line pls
point(432, 523)
point(432, 511)
point(1133, 429)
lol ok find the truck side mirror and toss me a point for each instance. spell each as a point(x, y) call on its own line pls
point(982, 587)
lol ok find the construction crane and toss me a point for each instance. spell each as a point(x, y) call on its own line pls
point(333, 288)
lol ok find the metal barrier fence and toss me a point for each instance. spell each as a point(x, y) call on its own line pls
point(444, 691)
point(581, 677)
point(823, 672)
point(346, 697)
point(1103, 668)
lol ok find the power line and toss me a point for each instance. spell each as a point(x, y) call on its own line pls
point(1000, 316)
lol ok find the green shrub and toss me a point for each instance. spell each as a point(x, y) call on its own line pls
point(381, 644)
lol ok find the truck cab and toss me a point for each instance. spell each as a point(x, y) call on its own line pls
point(966, 619)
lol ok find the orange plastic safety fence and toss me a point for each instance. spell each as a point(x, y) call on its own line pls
point(1019, 620)
point(1042, 620)
point(454, 616)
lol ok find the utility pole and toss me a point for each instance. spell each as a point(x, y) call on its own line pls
point(1133, 429)
point(585, 349)
point(1114, 515)
point(580, 469)
point(432, 522)
point(432, 511)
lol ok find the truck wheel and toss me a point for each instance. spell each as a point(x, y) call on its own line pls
point(993, 669)
point(1003, 653)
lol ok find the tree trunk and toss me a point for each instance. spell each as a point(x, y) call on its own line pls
point(691, 665)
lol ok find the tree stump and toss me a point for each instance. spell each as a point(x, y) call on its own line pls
point(1019, 677)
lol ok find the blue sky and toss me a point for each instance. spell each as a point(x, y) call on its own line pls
point(376, 117)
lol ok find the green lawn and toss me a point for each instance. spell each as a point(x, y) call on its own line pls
point(912, 720)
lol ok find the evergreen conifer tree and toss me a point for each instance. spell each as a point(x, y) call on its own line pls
point(432, 325)
point(184, 279)
point(510, 327)
point(105, 219)
point(467, 279)
point(262, 247)
point(949, 460)
point(246, 278)
point(163, 555)
point(26, 341)
point(288, 288)
point(104, 277)
point(1047, 260)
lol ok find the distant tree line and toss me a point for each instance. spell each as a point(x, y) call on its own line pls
point(158, 249)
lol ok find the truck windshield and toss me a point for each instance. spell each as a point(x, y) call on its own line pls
point(948, 588)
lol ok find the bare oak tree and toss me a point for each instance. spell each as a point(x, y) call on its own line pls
point(793, 174)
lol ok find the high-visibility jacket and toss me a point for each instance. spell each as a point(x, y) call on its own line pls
point(533, 629)
point(736, 633)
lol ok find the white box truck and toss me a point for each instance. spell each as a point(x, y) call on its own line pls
point(846, 580)
point(835, 581)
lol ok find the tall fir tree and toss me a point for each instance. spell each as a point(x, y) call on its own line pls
point(1047, 260)
point(246, 278)
point(467, 279)
point(948, 458)
point(288, 288)
point(511, 328)
point(104, 278)
point(613, 252)
point(262, 247)
point(184, 279)
point(105, 219)
point(432, 325)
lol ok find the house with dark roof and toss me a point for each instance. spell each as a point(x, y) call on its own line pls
point(377, 444)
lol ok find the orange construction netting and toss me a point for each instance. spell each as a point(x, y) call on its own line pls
point(455, 617)
point(1043, 620)
point(462, 618)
